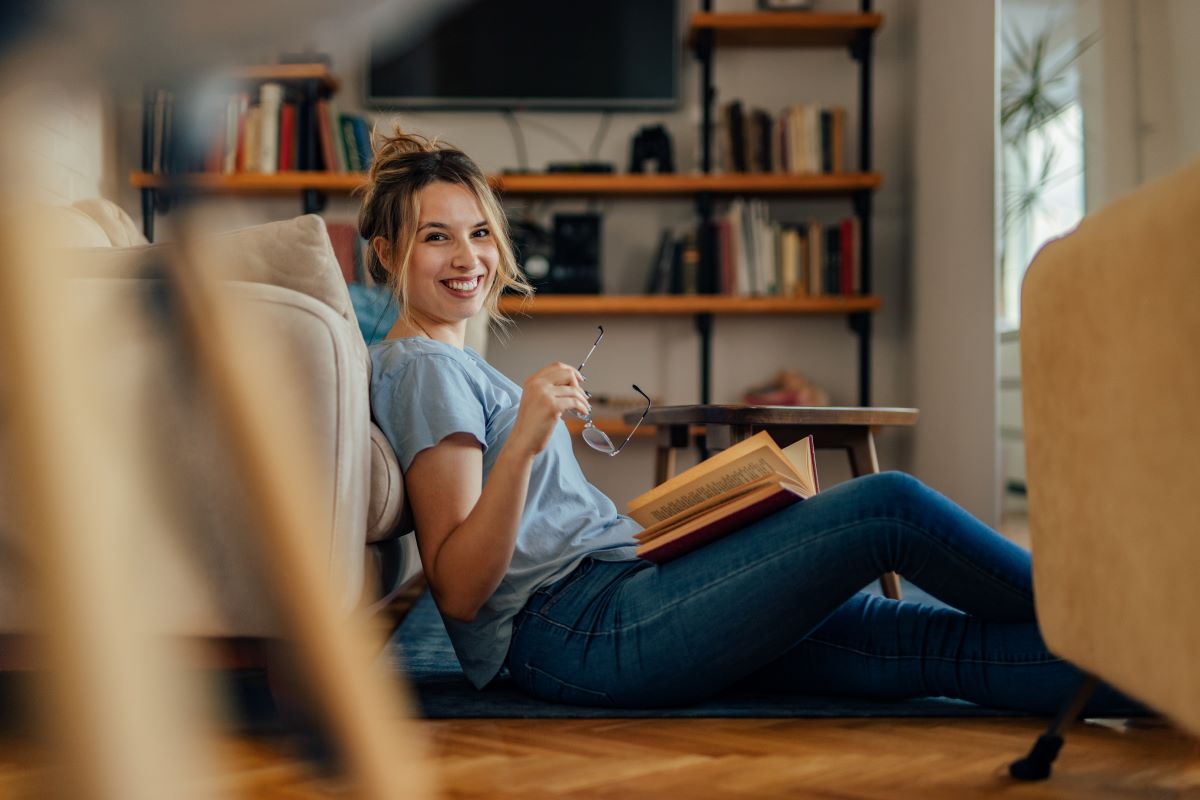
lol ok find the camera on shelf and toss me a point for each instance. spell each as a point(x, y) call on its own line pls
point(651, 150)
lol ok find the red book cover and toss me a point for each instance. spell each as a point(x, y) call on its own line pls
point(325, 134)
point(848, 257)
point(287, 137)
point(344, 237)
point(719, 521)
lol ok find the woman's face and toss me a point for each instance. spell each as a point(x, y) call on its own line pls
point(454, 255)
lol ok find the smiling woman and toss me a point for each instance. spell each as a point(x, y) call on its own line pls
point(533, 569)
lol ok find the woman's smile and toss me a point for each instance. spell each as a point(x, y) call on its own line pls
point(463, 287)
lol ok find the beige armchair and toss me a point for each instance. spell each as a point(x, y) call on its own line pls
point(1110, 347)
point(210, 587)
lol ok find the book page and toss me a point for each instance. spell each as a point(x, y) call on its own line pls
point(802, 456)
point(671, 524)
point(746, 462)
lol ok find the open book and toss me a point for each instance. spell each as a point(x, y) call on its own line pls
point(723, 494)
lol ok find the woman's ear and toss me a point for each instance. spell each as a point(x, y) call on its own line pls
point(383, 251)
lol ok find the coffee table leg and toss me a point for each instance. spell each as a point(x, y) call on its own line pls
point(864, 461)
point(670, 437)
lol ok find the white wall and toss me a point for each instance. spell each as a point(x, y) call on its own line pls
point(66, 137)
point(1138, 87)
point(954, 255)
point(662, 355)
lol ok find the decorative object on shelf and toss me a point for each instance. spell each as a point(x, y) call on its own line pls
point(787, 388)
point(650, 151)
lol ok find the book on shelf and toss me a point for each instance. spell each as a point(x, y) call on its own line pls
point(723, 494)
point(802, 139)
point(273, 128)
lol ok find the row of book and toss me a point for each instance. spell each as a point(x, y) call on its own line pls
point(756, 256)
point(803, 139)
point(275, 130)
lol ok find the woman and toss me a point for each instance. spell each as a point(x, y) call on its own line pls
point(533, 568)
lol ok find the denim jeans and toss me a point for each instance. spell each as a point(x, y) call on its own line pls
point(779, 605)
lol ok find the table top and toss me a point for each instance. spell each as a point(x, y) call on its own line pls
point(776, 415)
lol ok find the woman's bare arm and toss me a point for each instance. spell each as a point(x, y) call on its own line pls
point(466, 531)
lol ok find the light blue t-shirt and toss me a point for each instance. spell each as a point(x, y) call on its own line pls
point(421, 392)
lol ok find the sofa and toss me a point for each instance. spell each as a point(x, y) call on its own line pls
point(206, 582)
point(1110, 332)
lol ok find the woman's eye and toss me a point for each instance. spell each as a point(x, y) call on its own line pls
point(435, 237)
point(481, 232)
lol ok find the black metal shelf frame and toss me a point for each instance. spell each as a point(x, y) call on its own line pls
point(861, 50)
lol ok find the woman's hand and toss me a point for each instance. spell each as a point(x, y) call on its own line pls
point(546, 394)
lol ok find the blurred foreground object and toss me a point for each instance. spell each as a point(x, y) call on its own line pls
point(243, 508)
point(1109, 342)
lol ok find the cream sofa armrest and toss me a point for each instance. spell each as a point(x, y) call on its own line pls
point(388, 515)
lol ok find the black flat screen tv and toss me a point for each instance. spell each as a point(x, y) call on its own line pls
point(514, 54)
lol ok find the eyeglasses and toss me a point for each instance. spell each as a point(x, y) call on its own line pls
point(593, 436)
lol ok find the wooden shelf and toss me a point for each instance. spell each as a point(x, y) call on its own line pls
point(729, 183)
point(783, 29)
point(250, 182)
point(555, 184)
point(648, 305)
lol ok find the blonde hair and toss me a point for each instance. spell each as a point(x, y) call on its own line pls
point(403, 165)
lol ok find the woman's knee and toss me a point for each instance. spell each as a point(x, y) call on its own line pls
point(892, 488)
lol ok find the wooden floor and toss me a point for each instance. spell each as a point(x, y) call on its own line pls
point(695, 759)
point(887, 759)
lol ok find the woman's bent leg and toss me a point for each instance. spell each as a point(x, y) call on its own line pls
point(676, 633)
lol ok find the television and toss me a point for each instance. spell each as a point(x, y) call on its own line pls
point(536, 54)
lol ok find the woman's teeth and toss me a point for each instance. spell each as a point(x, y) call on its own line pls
point(463, 285)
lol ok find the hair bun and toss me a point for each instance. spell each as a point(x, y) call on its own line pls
point(402, 143)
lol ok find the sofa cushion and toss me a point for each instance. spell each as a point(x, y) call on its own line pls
point(118, 226)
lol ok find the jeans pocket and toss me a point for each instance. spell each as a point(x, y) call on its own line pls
point(545, 686)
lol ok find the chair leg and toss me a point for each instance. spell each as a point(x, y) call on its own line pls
point(1037, 765)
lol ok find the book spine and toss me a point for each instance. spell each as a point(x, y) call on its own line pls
point(826, 124)
point(846, 253)
point(287, 136)
point(328, 160)
point(737, 136)
point(270, 100)
point(362, 139)
point(833, 270)
point(347, 126)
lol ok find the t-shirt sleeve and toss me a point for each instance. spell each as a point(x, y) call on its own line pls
point(432, 397)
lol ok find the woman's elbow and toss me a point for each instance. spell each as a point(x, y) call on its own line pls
point(459, 609)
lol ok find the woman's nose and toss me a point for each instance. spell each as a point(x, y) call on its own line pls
point(464, 256)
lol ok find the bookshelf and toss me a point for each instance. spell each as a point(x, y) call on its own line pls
point(708, 32)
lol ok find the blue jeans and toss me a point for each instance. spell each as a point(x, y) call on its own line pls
point(778, 604)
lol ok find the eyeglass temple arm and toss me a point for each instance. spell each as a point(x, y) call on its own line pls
point(589, 352)
point(638, 423)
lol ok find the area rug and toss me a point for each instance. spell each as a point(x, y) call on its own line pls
point(422, 649)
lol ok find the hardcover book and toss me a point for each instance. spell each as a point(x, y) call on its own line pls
point(723, 494)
